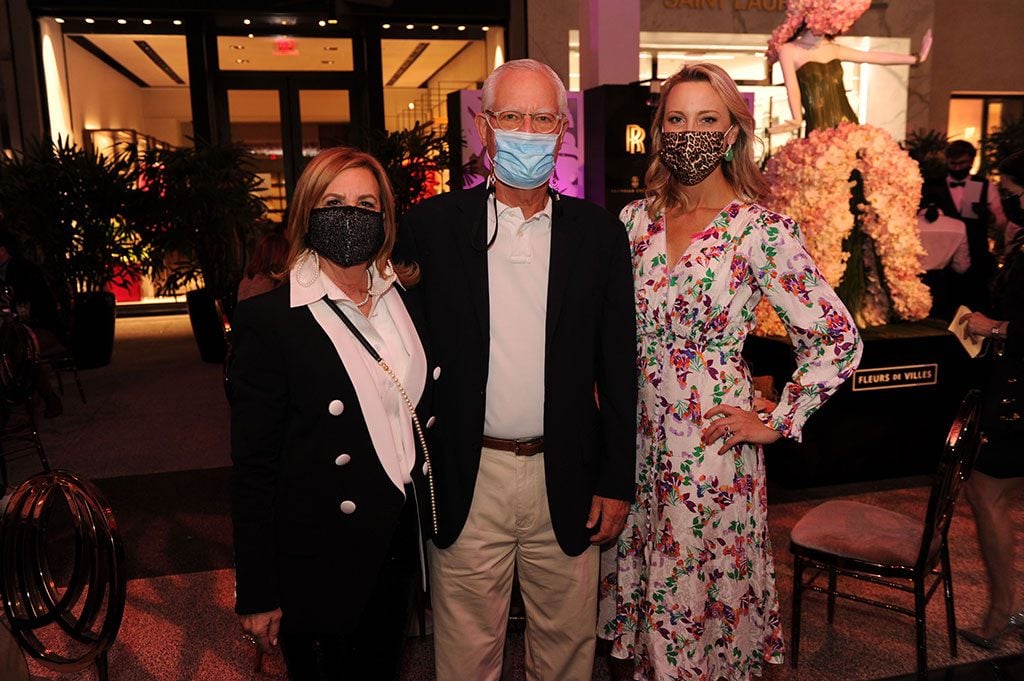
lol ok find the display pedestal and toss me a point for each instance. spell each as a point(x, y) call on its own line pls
point(890, 420)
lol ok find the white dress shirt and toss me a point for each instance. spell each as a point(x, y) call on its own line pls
point(517, 282)
point(945, 243)
point(966, 196)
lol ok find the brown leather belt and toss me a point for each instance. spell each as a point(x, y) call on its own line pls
point(526, 447)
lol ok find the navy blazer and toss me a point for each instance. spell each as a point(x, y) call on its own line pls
point(590, 344)
point(314, 508)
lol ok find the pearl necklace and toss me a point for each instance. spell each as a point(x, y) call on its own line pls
point(369, 285)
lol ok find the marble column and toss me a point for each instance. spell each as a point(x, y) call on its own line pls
point(609, 42)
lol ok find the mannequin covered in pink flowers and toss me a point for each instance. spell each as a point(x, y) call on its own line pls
point(851, 187)
point(811, 61)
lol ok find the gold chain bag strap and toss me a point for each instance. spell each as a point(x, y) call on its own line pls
point(405, 398)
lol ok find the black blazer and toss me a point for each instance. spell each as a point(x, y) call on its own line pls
point(590, 342)
point(295, 548)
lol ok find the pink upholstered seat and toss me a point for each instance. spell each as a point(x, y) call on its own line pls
point(855, 530)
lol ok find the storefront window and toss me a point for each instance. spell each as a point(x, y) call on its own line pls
point(974, 117)
point(742, 56)
point(284, 53)
point(419, 73)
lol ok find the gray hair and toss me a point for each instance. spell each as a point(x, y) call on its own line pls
point(491, 84)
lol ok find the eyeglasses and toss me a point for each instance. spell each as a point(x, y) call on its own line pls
point(510, 121)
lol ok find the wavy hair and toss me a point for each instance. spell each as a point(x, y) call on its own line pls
point(664, 191)
point(312, 185)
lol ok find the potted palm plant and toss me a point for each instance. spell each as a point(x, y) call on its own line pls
point(203, 216)
point(77, 213)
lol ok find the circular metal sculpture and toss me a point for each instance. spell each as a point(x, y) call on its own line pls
point(68, 623)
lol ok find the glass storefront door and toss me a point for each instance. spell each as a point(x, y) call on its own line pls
point(283, 121)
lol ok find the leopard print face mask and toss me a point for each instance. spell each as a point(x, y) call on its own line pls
point(692, 155)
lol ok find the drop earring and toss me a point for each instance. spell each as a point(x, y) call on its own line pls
point(728, 154)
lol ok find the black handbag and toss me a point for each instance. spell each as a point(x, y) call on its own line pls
point(1002, 411)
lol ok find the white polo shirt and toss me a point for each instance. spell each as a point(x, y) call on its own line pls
point(517, 273)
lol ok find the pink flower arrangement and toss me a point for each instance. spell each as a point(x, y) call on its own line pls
point(810, 182)
point(821, 17)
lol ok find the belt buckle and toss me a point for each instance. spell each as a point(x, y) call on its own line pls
point(522, 444)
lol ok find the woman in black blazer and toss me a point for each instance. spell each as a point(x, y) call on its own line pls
point(332, 490)
point(998, 478)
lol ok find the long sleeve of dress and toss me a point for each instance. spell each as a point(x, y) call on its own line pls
point(826, 343)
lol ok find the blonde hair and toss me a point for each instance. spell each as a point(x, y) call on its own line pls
point(312, 185)
point(664, 191)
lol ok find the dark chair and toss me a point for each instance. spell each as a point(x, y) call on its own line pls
point(65, 624)
point(60, 359)
point(891, 549)
point(19, 371)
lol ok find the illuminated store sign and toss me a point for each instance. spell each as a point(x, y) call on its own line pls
point(888, 378)
point(635, 136)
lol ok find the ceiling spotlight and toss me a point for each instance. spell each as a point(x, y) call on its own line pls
point(461, 28)
point(284, 22)
point(332, 21)
point(434, 27)
point(90, 21)
point(122, 21)
point(251, 35)
point(238, 47)
point(410, 26)
point(59, 20)
point(485, 28)
point(411, 106)
point(246, 21)
point(326, 61)
point(385, 26)
point(321, 23)
point(147, 22)
point(176, 22)
point(241, 61)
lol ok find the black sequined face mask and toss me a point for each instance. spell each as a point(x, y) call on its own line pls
point(346, 235)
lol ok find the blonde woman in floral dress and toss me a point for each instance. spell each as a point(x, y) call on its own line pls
point(689, 592)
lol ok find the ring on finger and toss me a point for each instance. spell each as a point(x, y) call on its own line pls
point(728, 433)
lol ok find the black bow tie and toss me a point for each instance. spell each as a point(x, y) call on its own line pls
point(958, 184)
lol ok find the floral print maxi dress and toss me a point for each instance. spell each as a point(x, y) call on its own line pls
point(691, 591)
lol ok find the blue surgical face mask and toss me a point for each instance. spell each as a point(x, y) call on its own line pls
point(524, 160)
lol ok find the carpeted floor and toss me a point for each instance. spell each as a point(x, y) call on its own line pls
point(154, 436)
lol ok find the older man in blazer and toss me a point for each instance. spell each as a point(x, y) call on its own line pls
point(529, 307)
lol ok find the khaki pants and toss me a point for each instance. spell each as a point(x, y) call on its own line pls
point(471, 582)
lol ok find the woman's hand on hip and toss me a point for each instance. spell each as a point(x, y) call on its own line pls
point(262, 628)
point(737, 426)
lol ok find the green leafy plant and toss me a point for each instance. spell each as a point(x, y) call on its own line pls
point(928, 148)
point(412, 158)
point(999, 144)
point(76, 211)
point(203, 215)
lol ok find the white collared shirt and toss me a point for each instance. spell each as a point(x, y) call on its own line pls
point(381, 330)
point(517, 283)
point(966, 196)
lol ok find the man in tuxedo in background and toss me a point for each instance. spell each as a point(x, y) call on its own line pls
point(530, 313)
point(975, 201)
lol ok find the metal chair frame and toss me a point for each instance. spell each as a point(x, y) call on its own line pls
point(90, 609)
point(955, 464)
point(17, 400)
